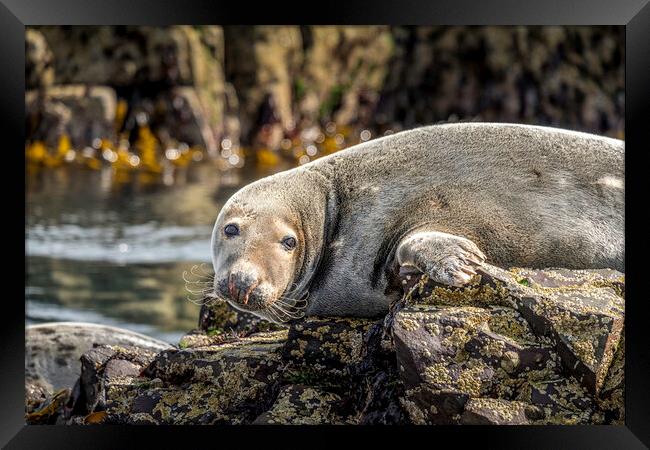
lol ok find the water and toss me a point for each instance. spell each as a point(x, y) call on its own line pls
point(113, 251)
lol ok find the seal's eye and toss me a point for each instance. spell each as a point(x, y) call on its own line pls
point(231, 230)
point(289, 242)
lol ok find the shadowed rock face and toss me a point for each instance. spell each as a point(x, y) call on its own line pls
point(513, 347)
point(53, 350)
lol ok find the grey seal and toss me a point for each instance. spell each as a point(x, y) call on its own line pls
point(327, 238)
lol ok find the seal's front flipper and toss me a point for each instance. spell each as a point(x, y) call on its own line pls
point(446, 258)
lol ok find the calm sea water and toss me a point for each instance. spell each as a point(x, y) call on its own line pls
point(111, 252)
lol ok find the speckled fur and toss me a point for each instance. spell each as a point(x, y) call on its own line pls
point(526, 196)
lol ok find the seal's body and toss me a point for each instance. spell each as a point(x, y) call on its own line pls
point(440, 199)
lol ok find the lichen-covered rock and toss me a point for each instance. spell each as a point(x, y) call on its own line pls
point(611, 399)
point(325, 347)
point(107, 366)
point(489, 411)
point(584, 315)
point(449, 354)
point(231, 382)
point(544, 338)
point(507, 349)
point(200, 338)
point(217, 318)
point(302, 405)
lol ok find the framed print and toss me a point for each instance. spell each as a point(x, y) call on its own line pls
point(267, 222)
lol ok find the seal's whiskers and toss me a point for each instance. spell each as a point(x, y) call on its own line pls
point(200, 272)
point(200, 284)
point(288, 307)
point(292, 303)
point(290, 313)
point(279, 315)
point(204, 299)
point(274, 315)
point(199, 291)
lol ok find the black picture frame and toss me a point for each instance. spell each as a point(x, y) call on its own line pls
point(633, 14)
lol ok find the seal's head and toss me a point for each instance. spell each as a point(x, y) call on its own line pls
point(265, 247)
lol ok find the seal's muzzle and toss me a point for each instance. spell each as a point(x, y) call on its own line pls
point(241, 285)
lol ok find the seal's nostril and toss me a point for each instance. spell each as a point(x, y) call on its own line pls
point(248, 292)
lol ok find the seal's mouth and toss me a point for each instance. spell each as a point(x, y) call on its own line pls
point(279, 310)
point(258, 300)
point(204, 289)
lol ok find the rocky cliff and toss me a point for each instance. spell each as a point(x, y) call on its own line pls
point(236, 90)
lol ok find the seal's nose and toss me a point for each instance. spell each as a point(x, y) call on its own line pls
point(240, 286)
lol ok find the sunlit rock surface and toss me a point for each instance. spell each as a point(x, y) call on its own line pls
point(513, 347)
point(544, 338)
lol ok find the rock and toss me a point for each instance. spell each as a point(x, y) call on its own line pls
point(107, 366)
point(302, 405)
point(558, 76)
point(611, 399)
point(562, 401)
point(344, 69)
point(262, 84)
point(228, 383)
point(325, 348)
point(219, 323)
point(261, 63)
point(82, 113)
point(39, 70)
point(447, 355)
point(127, 55)
point(493, 352)
point(52, 352)
point(488, 411)
point(51, 410)
point(219, 317)
point(37, 392)
point(583, 314)
point(178, 68)
point(517, 336)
